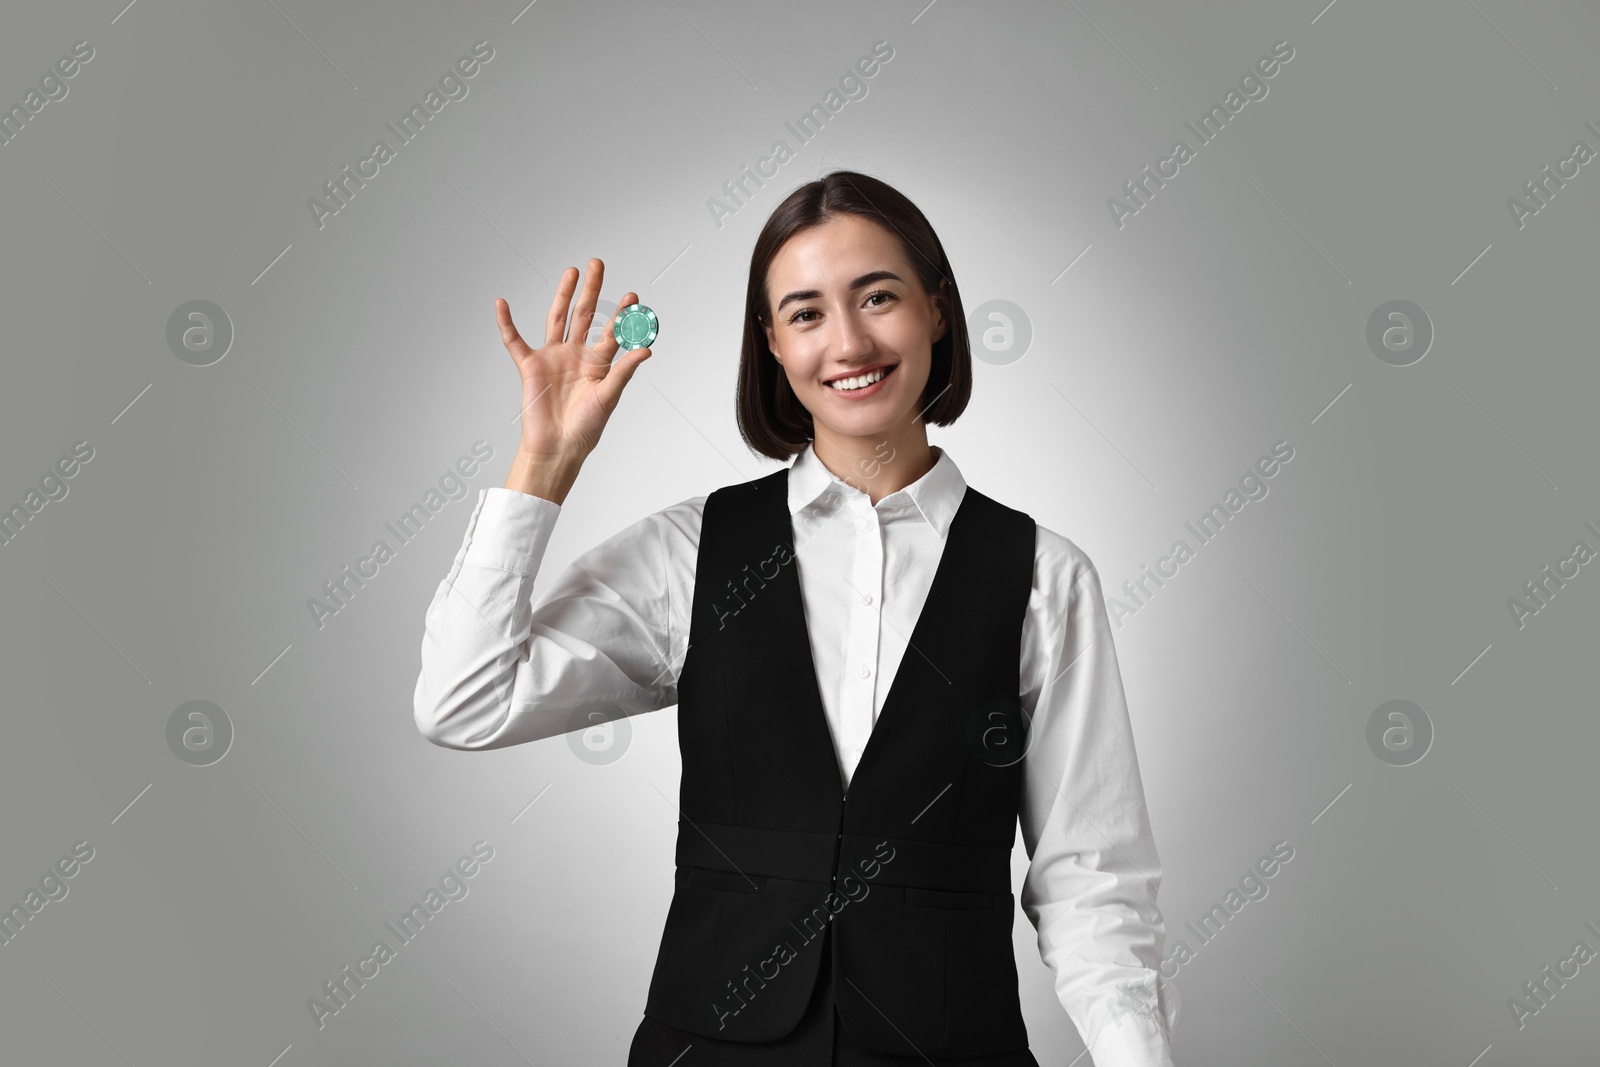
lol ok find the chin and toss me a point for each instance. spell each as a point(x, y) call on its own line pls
point(875, 426)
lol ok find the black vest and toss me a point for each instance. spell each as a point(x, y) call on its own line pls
point(911, 870)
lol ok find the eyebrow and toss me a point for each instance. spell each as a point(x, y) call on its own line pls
point(865, 279)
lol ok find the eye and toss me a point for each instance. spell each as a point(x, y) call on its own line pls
point(868, 300)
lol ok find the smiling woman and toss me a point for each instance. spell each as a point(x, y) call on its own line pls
point(840, 637)
point(883, 320)
point(853, 322)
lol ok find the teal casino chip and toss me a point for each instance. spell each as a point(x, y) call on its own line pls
point(636, 327)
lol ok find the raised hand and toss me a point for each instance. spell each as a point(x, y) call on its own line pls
point(569, 389)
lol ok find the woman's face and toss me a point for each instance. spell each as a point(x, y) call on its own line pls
point(844, 301)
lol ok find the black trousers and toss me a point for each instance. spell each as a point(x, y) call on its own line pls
point(819, 1040)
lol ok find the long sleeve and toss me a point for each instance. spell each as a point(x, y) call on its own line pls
point(498, 670)
point(1090, 889)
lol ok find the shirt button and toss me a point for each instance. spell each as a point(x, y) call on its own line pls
point(865, 671)
point(867, 598)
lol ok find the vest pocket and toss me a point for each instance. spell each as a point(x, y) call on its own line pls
point(893, 959)
point(981, 977)
point(938, 898)
point(733, 881)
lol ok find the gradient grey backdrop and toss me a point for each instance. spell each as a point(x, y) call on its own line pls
point(1231, 312)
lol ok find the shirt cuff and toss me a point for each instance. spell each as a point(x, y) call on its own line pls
point(1135, 1040)
point(510, 530)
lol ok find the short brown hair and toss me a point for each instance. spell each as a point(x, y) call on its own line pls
point(772, 420)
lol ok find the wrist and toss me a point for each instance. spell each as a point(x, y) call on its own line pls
point(549, 477)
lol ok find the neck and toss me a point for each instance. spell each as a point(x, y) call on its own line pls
point(876, 465)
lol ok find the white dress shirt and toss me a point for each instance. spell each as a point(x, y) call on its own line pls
point(499, 670)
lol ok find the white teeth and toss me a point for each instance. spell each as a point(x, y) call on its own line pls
point(861, 382)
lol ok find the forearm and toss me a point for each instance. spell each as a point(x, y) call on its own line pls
point(477, 627)
point(1102, 938)
point(499, 669)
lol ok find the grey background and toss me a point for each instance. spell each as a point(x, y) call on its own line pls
point(1230, 313)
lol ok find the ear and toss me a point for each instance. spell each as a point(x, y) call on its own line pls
point(941, 321)
point(772, 341)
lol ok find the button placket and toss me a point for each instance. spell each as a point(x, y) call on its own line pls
point(862, 646)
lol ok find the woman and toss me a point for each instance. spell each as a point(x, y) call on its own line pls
point(843, 890)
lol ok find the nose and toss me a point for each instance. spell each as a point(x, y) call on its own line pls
point(855, 340)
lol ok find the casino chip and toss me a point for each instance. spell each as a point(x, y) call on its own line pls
point(635, 327)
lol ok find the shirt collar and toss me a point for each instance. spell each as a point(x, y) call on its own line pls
point(934, 497)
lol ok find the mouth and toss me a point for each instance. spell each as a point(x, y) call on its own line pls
point(865, 381)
